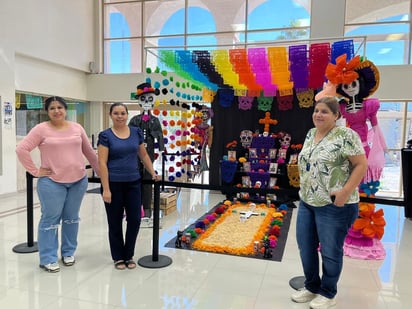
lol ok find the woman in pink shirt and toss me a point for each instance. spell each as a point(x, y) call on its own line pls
point(62, 180)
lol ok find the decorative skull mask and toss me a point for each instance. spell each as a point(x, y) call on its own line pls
point(305, 98)
point(246, 137)
point(245, 103)
point(147, 101)
point(265, 103)
point(351, 90)
point(285, 139)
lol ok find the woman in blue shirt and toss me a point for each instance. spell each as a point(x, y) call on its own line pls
point(119, 148)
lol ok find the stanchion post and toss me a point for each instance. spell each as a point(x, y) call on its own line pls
point(30, 246)
point(155, 260)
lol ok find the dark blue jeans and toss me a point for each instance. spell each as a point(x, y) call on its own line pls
point(326, 227)
point(126, 198)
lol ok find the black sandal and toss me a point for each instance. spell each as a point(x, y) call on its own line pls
point(120, 265)
point(130, 264)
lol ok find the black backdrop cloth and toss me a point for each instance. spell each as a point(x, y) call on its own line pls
point(228, 122)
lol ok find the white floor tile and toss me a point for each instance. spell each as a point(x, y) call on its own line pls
point(194, 279)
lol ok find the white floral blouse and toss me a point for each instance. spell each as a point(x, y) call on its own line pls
point(324, 167)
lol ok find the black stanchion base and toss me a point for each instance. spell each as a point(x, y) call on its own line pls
point(147, 261)
point(24, 248)
point(297, 282)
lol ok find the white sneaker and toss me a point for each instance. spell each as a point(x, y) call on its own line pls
point(68, 260)
point(303, 296)
point(51, 267)
point(322, 302)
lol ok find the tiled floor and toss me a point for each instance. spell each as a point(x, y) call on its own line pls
point(194, 279)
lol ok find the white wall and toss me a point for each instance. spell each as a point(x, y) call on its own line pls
point(45, 47)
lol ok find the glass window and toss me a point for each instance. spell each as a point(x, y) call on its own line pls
point(30, 112)
point(391, 121)
point(122, 20)
point(374, 11)
point(164, 17)
point(278, 14)
point(174, 23)
point(123, 56)
point(385, 43)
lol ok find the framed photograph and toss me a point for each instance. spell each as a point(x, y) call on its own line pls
point(293, 158)
point(282, 155)
point(246, 166)
point(252, 153)
point(272, 182)
point(273, 168)
point(231, 154)
point(272, 153)
point(246, 181)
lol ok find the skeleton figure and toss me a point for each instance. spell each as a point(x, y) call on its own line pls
point(356, 107)
point(246, 137)
point(351, 91)
point(205, 135)
point(152, 132)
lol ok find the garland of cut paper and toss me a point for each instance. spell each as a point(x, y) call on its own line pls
point(220, 59)
point(279, 67)
point(262, 71)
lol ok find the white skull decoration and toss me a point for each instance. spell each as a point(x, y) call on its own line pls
point(285, 140)
point(147, 101)
point(351, 89)
point(246, 137)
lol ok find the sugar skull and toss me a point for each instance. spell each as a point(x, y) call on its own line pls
point(246, 137)
point(305, 98)
point(208, 95)
point(265, 103)
point(245, 103)
point(226, 97)
point(284, 139)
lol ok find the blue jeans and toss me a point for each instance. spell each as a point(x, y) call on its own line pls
point(326, 227)
point(60, 202)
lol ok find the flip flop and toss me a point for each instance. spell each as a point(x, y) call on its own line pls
point(130, 264)
point(120, 265)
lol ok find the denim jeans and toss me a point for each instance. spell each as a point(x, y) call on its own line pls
point(60, 202)
point(326, 227)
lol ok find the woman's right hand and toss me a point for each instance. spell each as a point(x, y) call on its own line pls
point(107, 196)
point(44, 172)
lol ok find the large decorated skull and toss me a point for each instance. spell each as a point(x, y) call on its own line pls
point(246, 137)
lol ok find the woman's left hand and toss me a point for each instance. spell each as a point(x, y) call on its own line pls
point(339, 198)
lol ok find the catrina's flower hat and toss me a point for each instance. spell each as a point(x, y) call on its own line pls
point(344, 73)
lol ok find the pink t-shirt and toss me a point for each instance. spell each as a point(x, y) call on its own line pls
point(62, 151)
